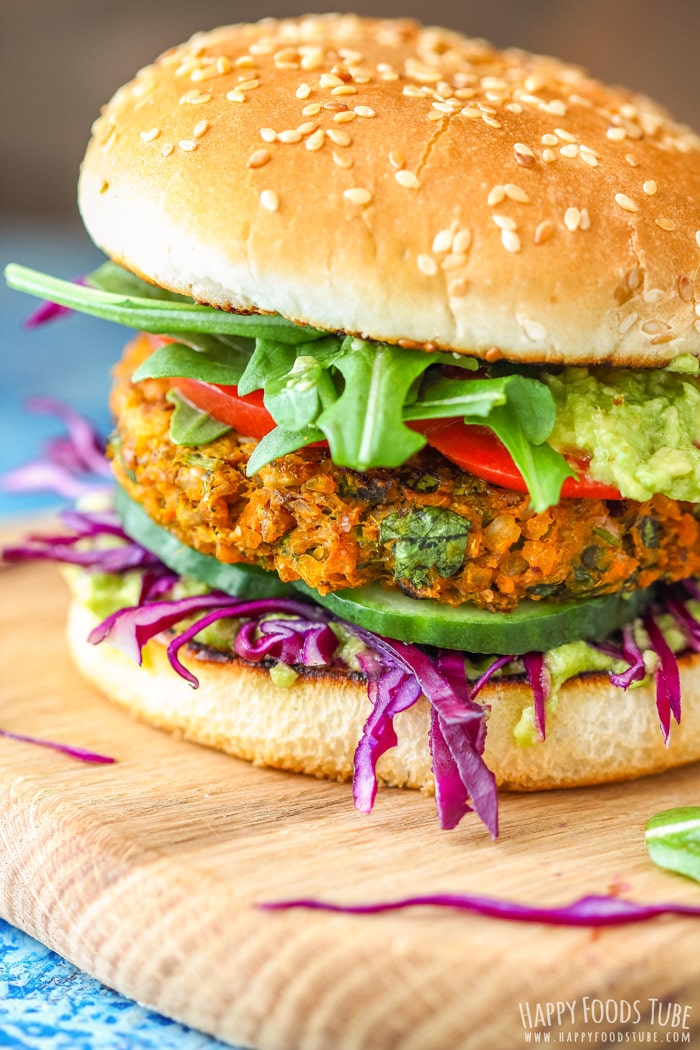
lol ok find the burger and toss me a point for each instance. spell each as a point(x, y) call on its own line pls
point(406, 446)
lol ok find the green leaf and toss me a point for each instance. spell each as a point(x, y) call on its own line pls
point(673, 840)
point(278, 443)
point(213, 360)
point(191, 426)
point(424, 539)
point(112, 278)
point(365, 426)
point(157, 315)
point(543, 469)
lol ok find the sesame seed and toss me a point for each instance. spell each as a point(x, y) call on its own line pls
point(650, 187)
point(534, 330)
point(625, 202)
point(365, 111)
point(616, 134)
point(289, 136)
point(685, 289)
point(665, 224)
point(588, 157)
point(248, 85)
point(653, 295)
point(342, 160)
point(223, 65)
point(523, 150)
point(194, 98)
point(307, 127)
point(470, 111)
point(454, 261)
point(548, 155)
point(442, 241)
point(340, 137)
point(187, 145)
point(358, 195)
point(460, 287)
point(510, 240)
point(235, 96)
point(564, 135)
point(572, 219)
point(697, 238)
point(627, 322)
point(330, 80)
point(634, 278)
point(504, 222)
point(585, 223)
point(269, 200)
point(166, 149)
point(514, 107)
point(344, 118)
point(149, 136)
point(312, 59)
point(245, 61)
point(200, 128)
point(544, 232)
point(550, 140)
point(303, 91)
point(344, 89)
point(312, 110)
point(315, 141)
point(259, 158)
point(427, 265)
point(268, 134)
point(491, 121)
point(516, 193)
point(407, 179)
point(631, 160)
point(570, 151)
point(336, 105)
point(496, 195)
point(462, 241)
point(654, 327)
point(397, 159)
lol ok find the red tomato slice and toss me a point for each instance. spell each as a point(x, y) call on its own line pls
point(478, 450)
point(247, 415)
point(474, 448)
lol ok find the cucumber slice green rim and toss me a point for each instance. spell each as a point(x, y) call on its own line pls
point(241, 581)
point(531, 627)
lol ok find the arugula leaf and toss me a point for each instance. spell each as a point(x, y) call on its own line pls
point(279, 443)
point(159, 316)
point(213, 360)
point(191, 426)
point(112, 278)
point(673, 840)
point(424, 539)
point(543, 469)
point(365, 426)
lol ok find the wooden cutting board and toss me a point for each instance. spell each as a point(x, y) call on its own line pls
point(146, 874)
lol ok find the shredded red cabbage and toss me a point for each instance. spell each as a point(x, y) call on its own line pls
point(67, 749)
point(592, 910)
point(69, 465)
point(668, 681)
point(538, 676)
point(306, 642)
point(46, 311)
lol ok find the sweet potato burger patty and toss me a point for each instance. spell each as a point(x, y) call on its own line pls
point(331, 527)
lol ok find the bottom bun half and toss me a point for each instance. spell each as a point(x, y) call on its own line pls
point(595, 732)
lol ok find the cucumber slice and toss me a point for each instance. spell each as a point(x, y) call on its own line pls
point(532, 626)
point(242, 581)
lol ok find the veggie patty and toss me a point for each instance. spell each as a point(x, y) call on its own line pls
point(425, 528)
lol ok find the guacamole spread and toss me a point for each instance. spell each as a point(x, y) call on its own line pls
point(640, 429)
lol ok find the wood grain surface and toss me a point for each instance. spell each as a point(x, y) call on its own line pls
point(146, 873)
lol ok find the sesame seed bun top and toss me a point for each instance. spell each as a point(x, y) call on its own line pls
point(405, 183)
